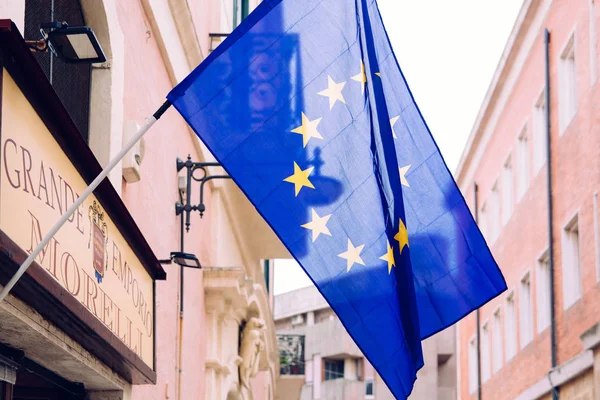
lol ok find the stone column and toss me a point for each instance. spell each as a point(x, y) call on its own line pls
point(316, 376)
point(310, 318)
point(350, 372)
point(308, 371)
point(226, 306)
point(213, 352)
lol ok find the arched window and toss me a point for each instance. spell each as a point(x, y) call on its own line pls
point(70, 81)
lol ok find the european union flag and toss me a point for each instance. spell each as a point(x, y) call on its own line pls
point(305, 106)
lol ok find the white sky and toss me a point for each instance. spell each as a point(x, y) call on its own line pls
point(448, 51)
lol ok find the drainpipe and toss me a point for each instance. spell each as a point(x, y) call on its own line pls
point(477, 316)
point(555, 392)
point(180, 349)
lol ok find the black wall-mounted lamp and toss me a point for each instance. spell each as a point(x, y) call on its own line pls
point(72, 44)
point(192, 167)
point(183, 259)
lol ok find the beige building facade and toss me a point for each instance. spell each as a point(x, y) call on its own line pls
point(319, 360)
point(98, 316)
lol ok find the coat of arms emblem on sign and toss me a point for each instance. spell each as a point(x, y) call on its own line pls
point(99, 232)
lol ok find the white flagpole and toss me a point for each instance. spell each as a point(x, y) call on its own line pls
point(149, 122)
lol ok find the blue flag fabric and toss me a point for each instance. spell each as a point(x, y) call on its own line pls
point(306, 108)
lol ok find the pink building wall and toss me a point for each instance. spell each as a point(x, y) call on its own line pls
point(260, 387)
point(153, 56)
point(576, 176)
point(151, 202)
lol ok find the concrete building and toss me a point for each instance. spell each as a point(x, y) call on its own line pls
point(506, 157)
point(108, 321)
point(319, 360)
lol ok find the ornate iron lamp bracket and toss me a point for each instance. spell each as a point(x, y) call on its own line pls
point(191, 177)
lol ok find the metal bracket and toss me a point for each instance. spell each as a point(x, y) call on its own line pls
point(192, 167)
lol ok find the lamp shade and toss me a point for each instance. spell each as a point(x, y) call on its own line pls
point(76, 45)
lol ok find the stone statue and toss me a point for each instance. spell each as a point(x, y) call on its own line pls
point(252, 345)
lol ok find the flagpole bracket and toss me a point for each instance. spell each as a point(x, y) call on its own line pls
point(196, 172)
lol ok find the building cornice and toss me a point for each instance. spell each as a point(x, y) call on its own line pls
point(591, 338)
point(559, 376)
point(286, 305)
point(232, 294)
point(224, 288)
point(566, 372)
point(514, 56)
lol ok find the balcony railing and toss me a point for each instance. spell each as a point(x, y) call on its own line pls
point(216, 39)
point(291, 354)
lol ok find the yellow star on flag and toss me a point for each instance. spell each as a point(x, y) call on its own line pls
point(402, 236)
point(389, 257)
point(403, 171)
point(352, 256)
point(333, 92)
point(378, 74)
point(318, 225)
point(300, 178)
point(308, 129)
point(392, 122)
point(362, 78)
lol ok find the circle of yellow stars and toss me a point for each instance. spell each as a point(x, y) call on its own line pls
point(300, 178)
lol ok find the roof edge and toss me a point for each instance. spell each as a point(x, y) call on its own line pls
point(494, 89)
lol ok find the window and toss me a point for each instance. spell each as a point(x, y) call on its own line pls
point(507, 190)
point(522, 163)
point(543, 292)
point(539, 133)
point(369, 392)
point(266, 268)
point(482, 222)
point(571, 268)
point(472, 365)
point(485, 352)
point(240, 11)
point(567, 90)
point(334, 369)
point(510, 327)
point(494, 213)
point(525, 311)
point(70, 81)
point(592, 40)
point(369, 380)
point(497, 341)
